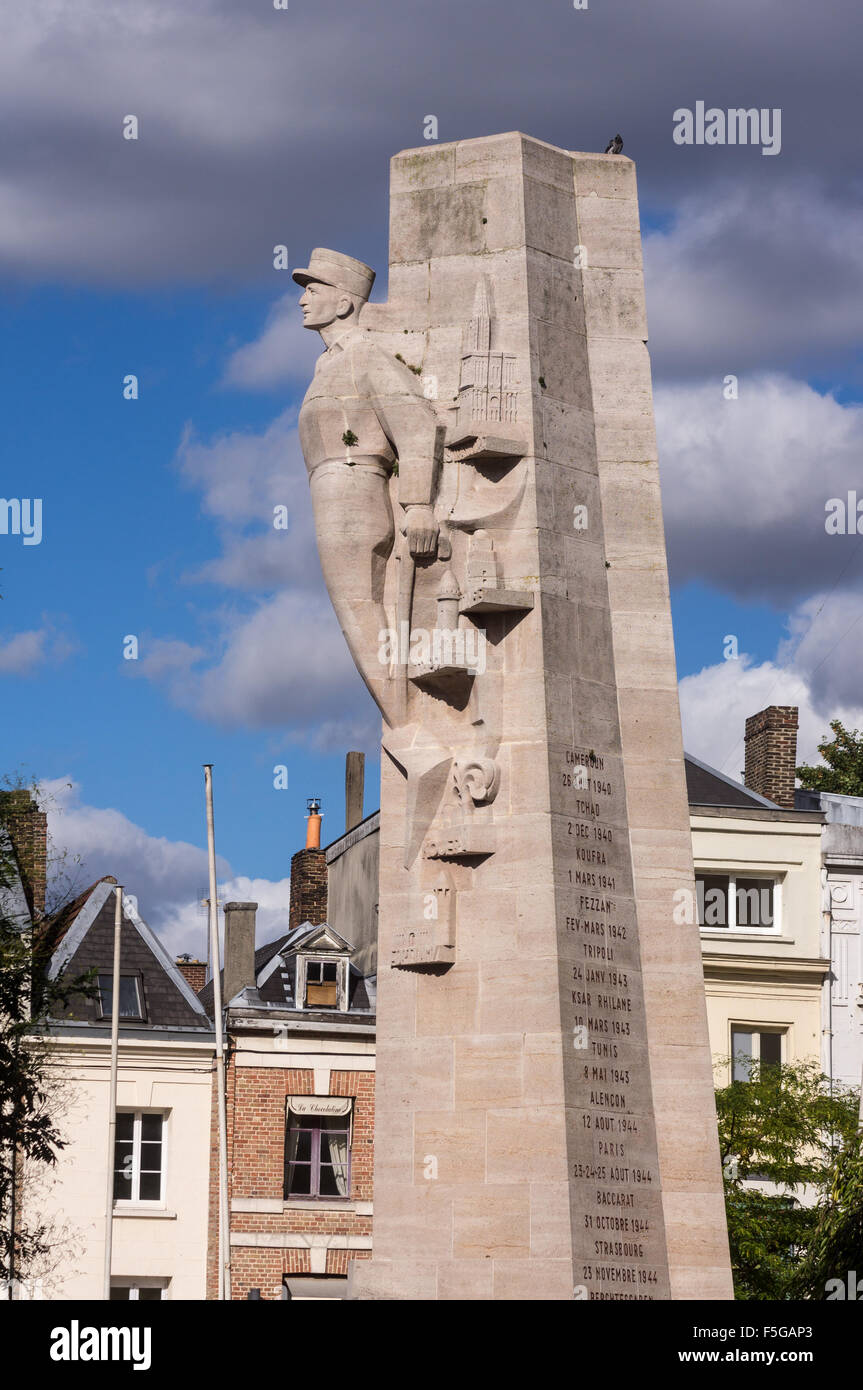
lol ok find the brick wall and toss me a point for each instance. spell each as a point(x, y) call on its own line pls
point(256, 1099)
point(194, 972)
point(308, 887)
point(771, 753)
point(28, 831)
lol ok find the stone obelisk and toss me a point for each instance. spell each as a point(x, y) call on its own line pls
point(545, 1123)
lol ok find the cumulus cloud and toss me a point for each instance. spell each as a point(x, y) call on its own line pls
point(248, 481)
point(744, 277)
point(169, 878)
point(825, 642)
point(22, 653)
point(272, 655)
point(260, 126)
point(285, 351)
point(745, 484)
point(716, 701)
point(284, 665)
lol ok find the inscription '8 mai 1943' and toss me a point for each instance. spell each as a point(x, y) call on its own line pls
point(614, 1167)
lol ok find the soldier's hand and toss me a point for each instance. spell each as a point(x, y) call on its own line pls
point(422, 531)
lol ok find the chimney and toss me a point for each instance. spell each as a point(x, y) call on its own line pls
point(239, 948)
point(28, 830)
point(194, 972)
point(771, 753)
point(309, 874)
point(355, 776)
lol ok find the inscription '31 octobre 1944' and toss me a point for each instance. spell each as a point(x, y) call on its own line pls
point(614, 1169)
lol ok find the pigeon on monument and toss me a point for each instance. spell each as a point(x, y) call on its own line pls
point(614, 146)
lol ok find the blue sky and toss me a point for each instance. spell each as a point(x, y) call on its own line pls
point(122, 537)
point(156, 260)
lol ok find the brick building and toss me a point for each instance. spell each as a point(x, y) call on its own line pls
point(300, 1025)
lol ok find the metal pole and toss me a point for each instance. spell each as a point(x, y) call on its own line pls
point(224, 1214)
point(112, 1090)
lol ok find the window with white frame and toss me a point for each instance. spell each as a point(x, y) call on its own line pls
point(737, 902)
point(131, 996)
point(138, 1290)
point(753, 1048)
point(139, 1156)
point(322, 984)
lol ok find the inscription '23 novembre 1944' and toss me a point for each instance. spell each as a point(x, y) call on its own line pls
point(614, 1167)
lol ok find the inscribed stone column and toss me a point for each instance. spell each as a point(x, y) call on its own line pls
point(545, 1125)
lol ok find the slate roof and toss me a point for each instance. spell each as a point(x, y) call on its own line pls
point(13, 897)
point(87, 942)
point(277, 985)
point(706, 786)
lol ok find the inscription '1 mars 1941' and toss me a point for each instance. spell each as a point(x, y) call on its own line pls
point(615, 1168)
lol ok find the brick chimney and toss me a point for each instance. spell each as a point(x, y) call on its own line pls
point(309, 874)
point(28, 830)
point(193, 971)
point(771, 753)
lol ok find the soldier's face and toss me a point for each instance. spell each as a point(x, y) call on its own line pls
point(323, 304)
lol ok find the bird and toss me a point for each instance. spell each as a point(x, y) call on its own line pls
point(614, 146)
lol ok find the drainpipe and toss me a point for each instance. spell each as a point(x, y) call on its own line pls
point(112, 1091)
point(224, 1212)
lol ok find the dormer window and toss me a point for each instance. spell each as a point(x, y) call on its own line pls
point(322, 986)
point(317, 963)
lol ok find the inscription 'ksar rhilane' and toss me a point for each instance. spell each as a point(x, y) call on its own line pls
point(614, 1164)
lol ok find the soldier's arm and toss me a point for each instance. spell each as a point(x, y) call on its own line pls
point(407, 419)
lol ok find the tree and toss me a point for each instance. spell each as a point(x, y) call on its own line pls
point(836, 1243)
point(844, 756)
point(29, 1135)
point(785, 1125)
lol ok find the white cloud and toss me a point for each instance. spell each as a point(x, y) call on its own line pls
point(741, 279)
point(275, 657)
point(745, 483)
point(283, 665)
point(24, 652)
point(824, 638)
point(716, 702)
point(169, 878)
point(285, 351)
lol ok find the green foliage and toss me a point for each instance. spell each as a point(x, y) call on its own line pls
point(28, 1133)
point(843, 755)
point(783, 1126)
point(836, 1243)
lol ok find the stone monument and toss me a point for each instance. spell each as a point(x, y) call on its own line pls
point(486, 497)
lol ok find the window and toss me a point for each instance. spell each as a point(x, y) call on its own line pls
point(735, 902)
point(750, 1046)
point(317, 1156)
point(322, 990)
point(139, 1157)
point(131, 1005)
point(148, 1290)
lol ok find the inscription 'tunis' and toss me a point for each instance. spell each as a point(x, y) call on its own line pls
point(618, 1235)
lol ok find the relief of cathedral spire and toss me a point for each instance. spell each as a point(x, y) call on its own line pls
point(487, 389)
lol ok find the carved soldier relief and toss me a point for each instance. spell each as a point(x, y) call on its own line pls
point(413, 499)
